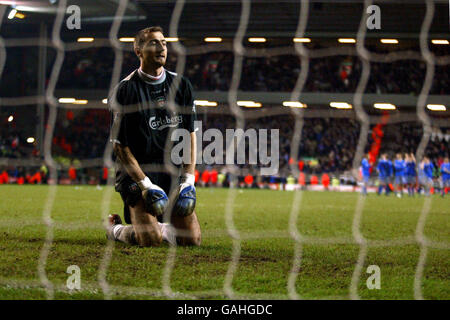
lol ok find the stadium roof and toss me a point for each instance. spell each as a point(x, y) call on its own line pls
point(221, 18)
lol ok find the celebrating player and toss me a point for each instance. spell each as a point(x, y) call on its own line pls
point(399, 166)
point(426, 175)
point(384, 168)
point(139, 133)
point(410, 173)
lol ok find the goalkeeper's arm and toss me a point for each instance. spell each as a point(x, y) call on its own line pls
point(129, 162)
point(188, 177)
point(190, 167)
point(132, 167)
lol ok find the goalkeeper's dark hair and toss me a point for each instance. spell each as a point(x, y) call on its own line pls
point(141, 36)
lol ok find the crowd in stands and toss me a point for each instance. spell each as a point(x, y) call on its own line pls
point(92, 68)
point(84, 136)
point(13, 141)
point(327, 145)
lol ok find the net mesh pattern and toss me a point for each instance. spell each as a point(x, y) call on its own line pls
point(240, 53)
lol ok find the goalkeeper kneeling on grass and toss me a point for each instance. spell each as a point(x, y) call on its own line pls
point(141, 127)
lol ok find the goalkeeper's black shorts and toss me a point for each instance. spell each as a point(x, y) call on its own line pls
point(131, 193)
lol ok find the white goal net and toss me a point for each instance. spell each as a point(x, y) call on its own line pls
point(295, 123)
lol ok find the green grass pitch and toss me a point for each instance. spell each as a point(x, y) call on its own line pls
point(262, 219)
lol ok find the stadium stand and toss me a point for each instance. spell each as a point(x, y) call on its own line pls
point(327, 145)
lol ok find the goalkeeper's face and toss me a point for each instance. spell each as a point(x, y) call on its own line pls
point(154, 51)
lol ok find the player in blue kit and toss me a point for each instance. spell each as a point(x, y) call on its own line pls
point(410, 173)
point(445, 176)
point(385, 171)
point(399, 168)
point(365, 170)
point(426, 175)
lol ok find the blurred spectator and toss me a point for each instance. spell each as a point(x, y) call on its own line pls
point(325, 181)
point(205, 177)
point(92, 68)
point(213, 177)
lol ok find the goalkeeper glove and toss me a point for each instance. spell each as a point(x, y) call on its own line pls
point(155, 198)
point(185, 203)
